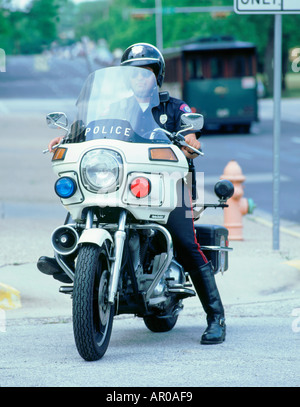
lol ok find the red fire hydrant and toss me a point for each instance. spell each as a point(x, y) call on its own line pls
point(238, 206)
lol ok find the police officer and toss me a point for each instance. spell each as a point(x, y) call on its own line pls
point(181, 226)
point(180, 223)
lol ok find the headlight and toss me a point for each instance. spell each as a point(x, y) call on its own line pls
point(101, 170)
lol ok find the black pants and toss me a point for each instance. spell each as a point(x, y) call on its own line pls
point(181, 226)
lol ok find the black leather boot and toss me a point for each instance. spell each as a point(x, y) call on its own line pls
point(205, 285)
point(49, 266)
point(215, 331)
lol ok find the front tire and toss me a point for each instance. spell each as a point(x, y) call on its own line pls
point(92, 314)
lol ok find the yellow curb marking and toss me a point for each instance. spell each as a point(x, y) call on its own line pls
point(270, 224)
point(9, 297)
point(293, 263)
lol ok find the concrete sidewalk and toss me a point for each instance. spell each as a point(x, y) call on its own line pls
point(256, 273)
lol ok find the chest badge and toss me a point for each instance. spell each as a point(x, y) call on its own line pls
point(163, 118)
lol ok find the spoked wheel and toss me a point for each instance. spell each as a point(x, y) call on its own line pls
point(92, 314)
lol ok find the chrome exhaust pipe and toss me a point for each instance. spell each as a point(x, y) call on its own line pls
point(64, 240)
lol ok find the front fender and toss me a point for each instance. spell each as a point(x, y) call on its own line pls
point(96, 236)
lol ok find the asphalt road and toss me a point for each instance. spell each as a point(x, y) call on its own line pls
point(44, 355)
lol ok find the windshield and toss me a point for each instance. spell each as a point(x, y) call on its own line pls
point(117, 103)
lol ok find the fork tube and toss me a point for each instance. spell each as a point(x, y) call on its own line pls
point(119, 240)
point(89, 219)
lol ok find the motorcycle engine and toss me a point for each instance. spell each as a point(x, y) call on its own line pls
point(173, 276)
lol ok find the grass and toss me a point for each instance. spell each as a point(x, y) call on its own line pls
point(292, 90)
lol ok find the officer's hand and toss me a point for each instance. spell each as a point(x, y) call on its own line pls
point(193, 142)
point(53, 142)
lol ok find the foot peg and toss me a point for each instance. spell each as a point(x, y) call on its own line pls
point(181, 290)
point(66, 289)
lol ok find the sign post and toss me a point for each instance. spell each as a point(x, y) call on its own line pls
point(277, 127)
point(276, 7)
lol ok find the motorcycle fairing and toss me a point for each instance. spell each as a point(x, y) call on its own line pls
point(112, 119)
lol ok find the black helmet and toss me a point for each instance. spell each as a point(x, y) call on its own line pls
point(142, 54)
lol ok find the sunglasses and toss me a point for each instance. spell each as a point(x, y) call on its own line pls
point(145, 73)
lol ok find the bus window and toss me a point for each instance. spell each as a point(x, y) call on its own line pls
point(239, 67)
point(242, 66)
point(216, 64)
point(194, 69)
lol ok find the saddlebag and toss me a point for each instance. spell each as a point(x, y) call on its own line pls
point(213, 240)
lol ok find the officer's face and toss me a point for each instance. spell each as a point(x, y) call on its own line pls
point(142, 82)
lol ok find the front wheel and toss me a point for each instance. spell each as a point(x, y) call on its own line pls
point(92, 314)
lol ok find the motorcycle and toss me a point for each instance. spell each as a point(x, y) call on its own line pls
point(116, 177)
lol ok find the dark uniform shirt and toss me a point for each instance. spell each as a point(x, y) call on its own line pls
point(168, 114)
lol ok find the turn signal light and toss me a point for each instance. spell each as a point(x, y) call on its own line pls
point(140, 187)
point(164, 154)
point(59, 154)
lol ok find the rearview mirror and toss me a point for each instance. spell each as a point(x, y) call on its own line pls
point(57, 119)
point(194, 121)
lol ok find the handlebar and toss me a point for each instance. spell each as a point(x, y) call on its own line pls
point(47, 150)
point(179, 139)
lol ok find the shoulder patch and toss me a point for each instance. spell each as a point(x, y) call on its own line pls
point(185, 108)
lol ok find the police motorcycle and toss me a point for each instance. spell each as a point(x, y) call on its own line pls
point(117, 180)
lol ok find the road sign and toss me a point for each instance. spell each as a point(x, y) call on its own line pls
point(267, 6)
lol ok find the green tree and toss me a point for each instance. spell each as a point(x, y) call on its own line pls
point(31, 30)
point(5, 27)
point(112, 21)
point(41, 25)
